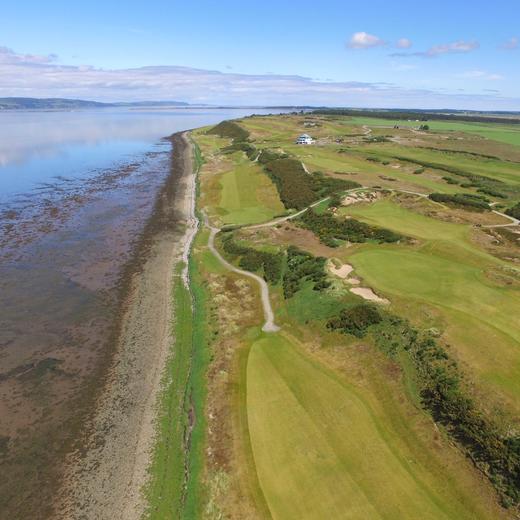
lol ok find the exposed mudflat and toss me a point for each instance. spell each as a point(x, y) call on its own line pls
point(105, 475)
point(76, 257)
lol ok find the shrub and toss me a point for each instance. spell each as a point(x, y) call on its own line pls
point(331, 229)
point(302, 267)
point(464, 200)
point(492, 193)
point(248, 148)
point(297, 188)
point(356, 320)
point(451, 180)
point(253, 260)
point(514, 211)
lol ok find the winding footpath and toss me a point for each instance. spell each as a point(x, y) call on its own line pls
point(269, 325)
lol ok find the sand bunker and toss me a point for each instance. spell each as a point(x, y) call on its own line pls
point(368, 294)
point(342, 272)
point(357, 197)
point(353, 281)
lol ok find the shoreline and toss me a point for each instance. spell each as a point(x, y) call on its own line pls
point(107, 479)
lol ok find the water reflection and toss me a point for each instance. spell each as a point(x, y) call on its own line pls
point(37, 146)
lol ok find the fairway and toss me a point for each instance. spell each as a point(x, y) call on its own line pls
point(447, 271)
point(391, 215)
point(248, 195)
point(320, 452)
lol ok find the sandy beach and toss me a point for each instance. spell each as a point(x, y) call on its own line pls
point(104, 479)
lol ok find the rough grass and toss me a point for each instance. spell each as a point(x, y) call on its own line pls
point(321, 451)
point(181, 410)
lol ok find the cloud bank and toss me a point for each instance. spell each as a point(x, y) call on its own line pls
point(457, 47)
point(43, 76)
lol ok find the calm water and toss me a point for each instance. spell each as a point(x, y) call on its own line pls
point(42, 146)
point(76, 189)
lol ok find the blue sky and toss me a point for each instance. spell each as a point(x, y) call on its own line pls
point(458, 54)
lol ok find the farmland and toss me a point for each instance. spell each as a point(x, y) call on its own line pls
point(325, 418)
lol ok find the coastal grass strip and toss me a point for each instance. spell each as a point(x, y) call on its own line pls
point(194, 498)
point(175, 488)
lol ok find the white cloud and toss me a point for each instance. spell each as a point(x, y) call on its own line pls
point(363, 40)
point(403, 43)
point(458, 47)
point(480, 74)
point(454, 47)
point(511, 44)
point(36, 76)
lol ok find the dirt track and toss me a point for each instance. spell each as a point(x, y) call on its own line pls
point(105, 481)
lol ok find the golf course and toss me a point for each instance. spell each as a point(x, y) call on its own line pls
point(387, 384)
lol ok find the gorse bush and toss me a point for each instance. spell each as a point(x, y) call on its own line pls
point(514, 211)
point(266, 156)
point(464, 200)
point(243, 146)
point(297, 188)
point(356, 320)
point(293, 183)
point(331, 229)
point(301, 267)
point(474, 180)
point(250, 259)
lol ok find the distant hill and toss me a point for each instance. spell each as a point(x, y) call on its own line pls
point(20, 103)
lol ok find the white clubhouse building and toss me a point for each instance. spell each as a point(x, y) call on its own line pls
point(304, 139)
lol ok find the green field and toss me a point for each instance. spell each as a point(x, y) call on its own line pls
point(321, 452)
point(504, 133)
point(448, 272)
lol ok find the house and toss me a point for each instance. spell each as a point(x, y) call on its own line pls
point(304, 139)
